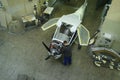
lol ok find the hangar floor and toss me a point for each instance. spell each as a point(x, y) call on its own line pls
point(24, 53)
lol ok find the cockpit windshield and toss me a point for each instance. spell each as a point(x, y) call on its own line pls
point(63, 32)
point(65, 29)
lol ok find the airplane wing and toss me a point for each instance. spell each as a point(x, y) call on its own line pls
point(83, 35)
point(49, 24)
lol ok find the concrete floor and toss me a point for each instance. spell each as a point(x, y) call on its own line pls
point(24, 53)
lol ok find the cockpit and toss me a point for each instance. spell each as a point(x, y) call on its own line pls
point(65, 29)
point(63, 33)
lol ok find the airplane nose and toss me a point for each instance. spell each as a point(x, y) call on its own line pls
point(53, 51)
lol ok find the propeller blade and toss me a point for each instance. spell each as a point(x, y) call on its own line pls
point(47, 57)
point(49, 24)
point(48, 49)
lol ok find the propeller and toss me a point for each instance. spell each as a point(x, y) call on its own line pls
point(47, 57)
point(48, 49)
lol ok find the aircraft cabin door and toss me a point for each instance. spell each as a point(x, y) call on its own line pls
point(83, 35)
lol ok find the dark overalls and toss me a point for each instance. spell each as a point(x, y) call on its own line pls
point(67, 53)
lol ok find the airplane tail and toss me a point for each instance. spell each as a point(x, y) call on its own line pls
point(81, 10)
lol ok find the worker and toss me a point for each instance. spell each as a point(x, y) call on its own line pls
point(46, 3)
point(44, 6)
point(67, 53)
point(35, 11)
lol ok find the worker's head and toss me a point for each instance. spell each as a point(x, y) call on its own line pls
point(65, 43)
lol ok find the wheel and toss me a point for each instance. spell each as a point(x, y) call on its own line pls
point(97, 63)
point(79, 46)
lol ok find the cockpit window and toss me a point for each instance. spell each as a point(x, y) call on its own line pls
point(65, 29)
point(63, 33)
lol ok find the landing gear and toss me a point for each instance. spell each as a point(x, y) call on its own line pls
point(79, 46)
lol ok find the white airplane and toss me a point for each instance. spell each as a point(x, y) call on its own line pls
point(68, 28)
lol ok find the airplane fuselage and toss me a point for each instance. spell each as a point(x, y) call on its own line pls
point(66, 31)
